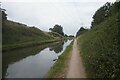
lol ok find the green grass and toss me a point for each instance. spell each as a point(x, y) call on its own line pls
point(17, 35)
point(54, 34)
point(100, 49)
point(28, 44)
point(61, 62)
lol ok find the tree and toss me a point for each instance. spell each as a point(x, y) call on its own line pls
point(101, 14)
point(4, 15)
point(115, 8)
point(57, 28)
point(51, 29)
point(66, 35)
point(71, 36)
point(81, 31)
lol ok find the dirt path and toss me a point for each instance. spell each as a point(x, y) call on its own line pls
point(76, 69)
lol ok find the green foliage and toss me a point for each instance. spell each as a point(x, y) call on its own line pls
point(101, 14)
point(71, 36)
point(100, 49)
point(115, 8)
point(19, 33)
point(66, 35)
point(57, 28)
point(81, 31)
point(4, 15)
point(100, 46)
point(57, 48)
point(56, 35)
point(104, 12)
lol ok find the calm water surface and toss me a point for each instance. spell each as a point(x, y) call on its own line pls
point(32, 62)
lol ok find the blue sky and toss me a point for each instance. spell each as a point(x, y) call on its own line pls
point(44, 14)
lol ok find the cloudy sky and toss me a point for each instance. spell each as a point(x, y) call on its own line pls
point(44, 14)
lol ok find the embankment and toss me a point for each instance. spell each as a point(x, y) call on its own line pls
point(100, 49)
point(17, 35)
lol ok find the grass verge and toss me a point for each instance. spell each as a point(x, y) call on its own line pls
point(99, 50)
point(59, 66)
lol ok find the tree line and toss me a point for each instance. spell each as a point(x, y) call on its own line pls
point(101, 15)
point(59, 29)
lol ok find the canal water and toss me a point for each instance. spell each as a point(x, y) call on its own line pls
point(33, 62)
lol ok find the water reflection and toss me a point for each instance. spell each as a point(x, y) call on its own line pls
point(39, 59)
point(57, 48)
point(66, 40)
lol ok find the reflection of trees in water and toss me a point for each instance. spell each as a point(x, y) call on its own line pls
point(66, 40)
point(57, 48)
point(70, 38)
point(19, 54)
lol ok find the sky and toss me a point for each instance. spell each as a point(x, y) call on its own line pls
point(44, 14)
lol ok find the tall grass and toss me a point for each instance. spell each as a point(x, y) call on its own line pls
point(100, 49)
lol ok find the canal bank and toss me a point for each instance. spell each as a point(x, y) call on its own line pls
point(32, 62)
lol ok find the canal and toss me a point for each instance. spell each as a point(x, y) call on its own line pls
point(33, 62)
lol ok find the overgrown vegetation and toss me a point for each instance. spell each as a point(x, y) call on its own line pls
point(101, 14)
point(81, 31)
point(100, 48)
point(59, 66)
point(58, 29)
point(54, 34)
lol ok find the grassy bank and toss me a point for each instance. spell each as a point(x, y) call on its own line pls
point(17, 35)
point(57, 71)
point(100, 49)
point(28, 44)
